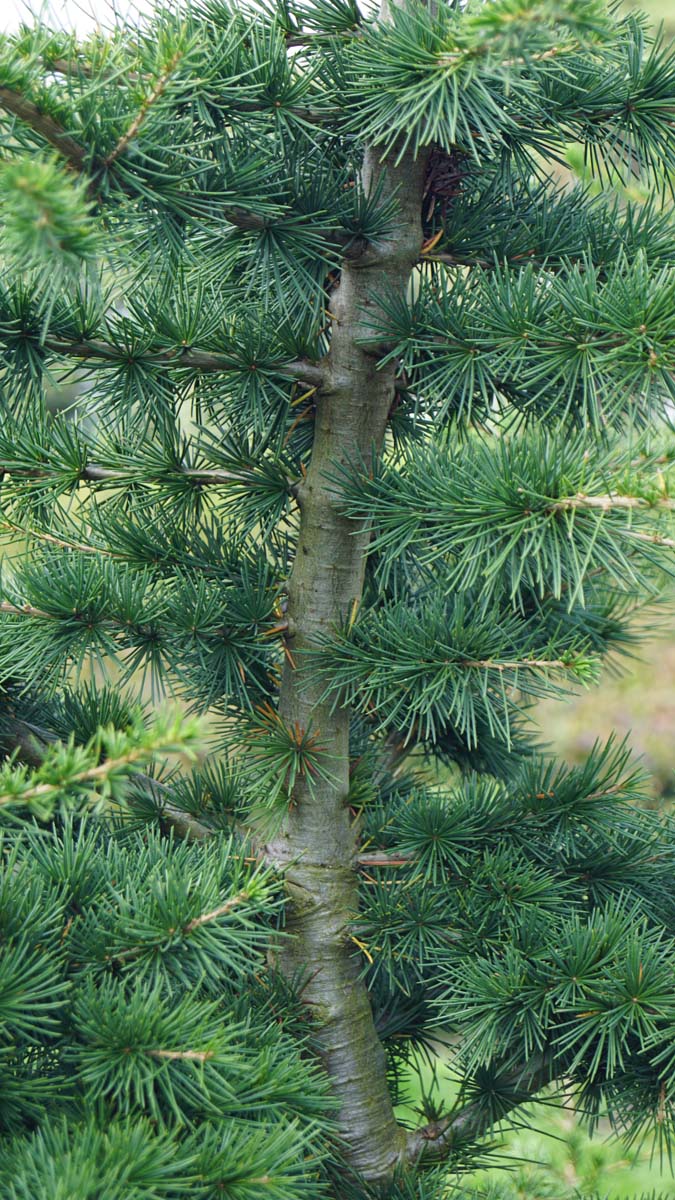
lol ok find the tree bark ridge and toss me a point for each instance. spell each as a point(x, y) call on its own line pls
point(318, 844)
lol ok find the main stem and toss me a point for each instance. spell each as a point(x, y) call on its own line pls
point(318, 843)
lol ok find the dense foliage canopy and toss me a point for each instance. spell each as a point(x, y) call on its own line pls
point(319, 299)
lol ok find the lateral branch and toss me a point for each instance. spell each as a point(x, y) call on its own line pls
point(437, 1139)
point(185, 357)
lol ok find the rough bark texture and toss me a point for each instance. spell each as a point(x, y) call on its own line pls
point(318, 844)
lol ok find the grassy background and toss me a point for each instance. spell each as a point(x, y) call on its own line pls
point(638, 703)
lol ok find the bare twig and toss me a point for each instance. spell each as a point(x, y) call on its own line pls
point(186, 1055)
point(152, 98)
point(487, 664)
point(215, 913)
point(90, 775)
point(655, 539)
point(24, 610)
point(609, 501)
point(384, 860)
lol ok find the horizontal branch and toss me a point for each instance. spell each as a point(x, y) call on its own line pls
point(93, 775)
point(447, 258)
point(93, 473)
point(655, 539)
point(384, 860)
point(64, 543)
point(80, 159)
point(73, 66)
point(455, 58)
point(353, 244)
point(250, 222)
point(188, 928)
point(25, 610)
point(304, 41)
point(311, 116)
point(27, 741)
point(185, 357)
point(454, 260)
point(218, 477)
point(29, 610)
point(541, 664)
point(119, 625)
point(31, 742)
point(183, 823)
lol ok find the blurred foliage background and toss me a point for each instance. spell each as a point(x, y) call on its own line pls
point(638, 702)
point(551, 1157)
point(639, 699)
point(662, 12)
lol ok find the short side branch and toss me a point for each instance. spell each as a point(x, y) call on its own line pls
point(437, 1139)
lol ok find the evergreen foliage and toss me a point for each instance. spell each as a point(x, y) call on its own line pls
point(320, 301)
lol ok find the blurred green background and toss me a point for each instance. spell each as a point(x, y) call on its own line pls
point(661, 12)
point(639, 698)
point(551, 1157)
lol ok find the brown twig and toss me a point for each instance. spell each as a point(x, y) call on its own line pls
point(656, 539)
point(24, 610)
point(183, 357)
point(187, 1055)
point(90, 775)
point(152, 98)
point(215, 913)
point(384, 860)
point(53, 133)
point(53, 540)
point(487, 664)
point(608, 502)
point(78, 157)
point(188, 928)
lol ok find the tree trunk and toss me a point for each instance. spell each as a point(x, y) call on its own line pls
point(318, 842)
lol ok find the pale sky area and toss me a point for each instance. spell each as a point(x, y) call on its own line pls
point(81, 15)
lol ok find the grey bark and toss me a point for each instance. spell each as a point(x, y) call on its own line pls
point(317, 846)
